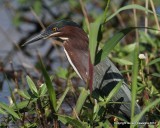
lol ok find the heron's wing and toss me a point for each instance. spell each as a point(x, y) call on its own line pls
point(106, 77)
point(78, 58)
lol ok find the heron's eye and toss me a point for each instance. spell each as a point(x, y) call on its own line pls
point(55, 29)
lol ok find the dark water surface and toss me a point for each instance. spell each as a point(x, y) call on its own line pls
point(9, 36)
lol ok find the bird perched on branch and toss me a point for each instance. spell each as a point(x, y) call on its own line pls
point(103, 77)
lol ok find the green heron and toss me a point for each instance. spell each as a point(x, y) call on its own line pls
point(105, 75)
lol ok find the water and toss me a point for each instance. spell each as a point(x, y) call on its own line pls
point(9, 36)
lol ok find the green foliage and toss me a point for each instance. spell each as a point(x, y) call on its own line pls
point(62, 73)
point(32, 86)
point(9, 110)
point(81, 100)
point(37, 6)
point(70, 120)
point(61, 99)
point(93, 38)
point(51, 91)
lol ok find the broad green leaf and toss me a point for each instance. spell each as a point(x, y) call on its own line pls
point(32, 86)
point(122, 61)
point(93, 36)
point(62, 73)
point(51, 91)
point(129, 48)
point(9, 110)
point(133, 6)
point(24, 94)
point(21, 104)
point(111, 43)
point(111, 94)
point(70, 120)
point(59, 102)
point(43, 90)
point(154, 61)
point(81, 99)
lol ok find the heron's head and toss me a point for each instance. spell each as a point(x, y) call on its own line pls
point(75, 43)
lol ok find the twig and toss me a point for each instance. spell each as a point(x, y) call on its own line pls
point(154, 12)
point(146, 16)
point(85, 14)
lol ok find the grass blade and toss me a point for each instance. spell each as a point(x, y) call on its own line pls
point(111, 94)
point(50, 88)
point(133, 6)
point(81, 99)
point(59, 102)
point(93, 36)
point(111, 43)
point(134, 81)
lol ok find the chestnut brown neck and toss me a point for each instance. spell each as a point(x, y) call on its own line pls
point(77, 49)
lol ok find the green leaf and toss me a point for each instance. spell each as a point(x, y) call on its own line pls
point(59, 102)
point(148, 39)
point(154, 61)
point(69, 120)
point(81, 99)
point(122, 61)
point(32, 86)
point(51, 91)
point(24, 94)
point(9, 110)
point(129, 48)
point(43, 90)
point(156, 74)
point(133, 6)
point(134, 81)
point(62, 73)
point(111, 94)
point(95, 110)
point(21, 104)
point(111, 43)
point(93, 35)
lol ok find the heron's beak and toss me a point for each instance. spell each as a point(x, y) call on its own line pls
point(42, 35)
